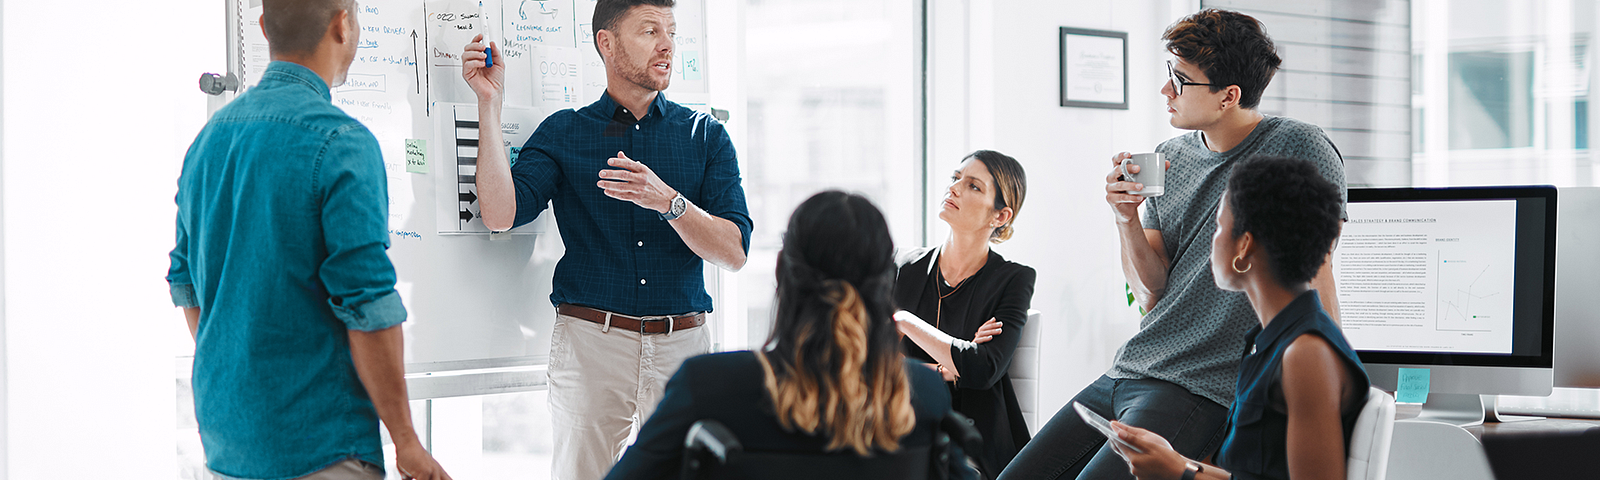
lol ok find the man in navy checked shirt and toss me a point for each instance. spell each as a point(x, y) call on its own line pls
point(644, 191)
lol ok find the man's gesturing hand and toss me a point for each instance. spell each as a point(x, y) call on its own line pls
point(637, 184)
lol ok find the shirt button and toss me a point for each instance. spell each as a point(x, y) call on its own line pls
point(641, 281)
point(636, 127)
point(641, 244)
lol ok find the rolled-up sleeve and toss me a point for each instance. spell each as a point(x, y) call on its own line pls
point(723, 193)
point(535, 175)
point(981, 366)
point(179, 281)
point(355, 216)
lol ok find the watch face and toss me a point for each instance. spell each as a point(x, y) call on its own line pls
point(679, 204)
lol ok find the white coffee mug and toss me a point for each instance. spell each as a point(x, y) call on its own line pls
point(1152, 173)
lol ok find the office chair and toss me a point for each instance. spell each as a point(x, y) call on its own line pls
point(712, 452)
point(1368, 453)
point(1024, 370)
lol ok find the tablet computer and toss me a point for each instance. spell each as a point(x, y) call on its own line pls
point(1104, 426)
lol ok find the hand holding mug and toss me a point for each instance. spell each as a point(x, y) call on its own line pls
point(1126, 188)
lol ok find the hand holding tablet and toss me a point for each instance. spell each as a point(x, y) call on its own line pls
point(1104, 426)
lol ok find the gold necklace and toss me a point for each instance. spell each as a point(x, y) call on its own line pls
point(938, 313)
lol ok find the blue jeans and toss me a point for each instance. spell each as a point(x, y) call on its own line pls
point(1066, 448)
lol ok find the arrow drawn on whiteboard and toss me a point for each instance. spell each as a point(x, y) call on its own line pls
point(468, 197)
point(543, 10)
point(418, 64)
point(427, 74)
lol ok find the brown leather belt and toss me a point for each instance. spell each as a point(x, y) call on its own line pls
point(650, 325)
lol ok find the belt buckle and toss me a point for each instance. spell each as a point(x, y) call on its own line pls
point(656, 318)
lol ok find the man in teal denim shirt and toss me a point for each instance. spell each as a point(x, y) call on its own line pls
point(281, 268)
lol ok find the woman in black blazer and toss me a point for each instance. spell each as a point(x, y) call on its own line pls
point(963, 290)
point(830, 378)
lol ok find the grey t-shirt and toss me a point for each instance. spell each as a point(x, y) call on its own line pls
point(1194, 337)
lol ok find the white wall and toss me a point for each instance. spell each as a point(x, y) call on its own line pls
point(4, 440)
point(100, 102)
point(995, 67)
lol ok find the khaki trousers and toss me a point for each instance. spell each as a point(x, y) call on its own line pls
point(604, 385)
point(347, 469)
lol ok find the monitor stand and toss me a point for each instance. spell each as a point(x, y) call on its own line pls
point(1465, 410)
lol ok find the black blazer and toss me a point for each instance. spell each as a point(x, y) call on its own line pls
point(1002, 290)
point(730, 388)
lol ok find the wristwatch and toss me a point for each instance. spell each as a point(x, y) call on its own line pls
point(679, 206)
point(1190, 469)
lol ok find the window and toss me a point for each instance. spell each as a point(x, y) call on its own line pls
point(1502, 95)
point(1345, 69)
point(831, 96)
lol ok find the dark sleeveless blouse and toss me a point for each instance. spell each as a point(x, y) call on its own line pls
point(1257, 443)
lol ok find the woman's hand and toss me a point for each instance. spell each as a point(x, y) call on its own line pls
point(1158, 462)
point(948, 375)
point(987, 331)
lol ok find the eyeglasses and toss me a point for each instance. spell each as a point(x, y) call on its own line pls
point(1179, 83)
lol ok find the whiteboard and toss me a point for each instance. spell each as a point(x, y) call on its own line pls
point(475, 300)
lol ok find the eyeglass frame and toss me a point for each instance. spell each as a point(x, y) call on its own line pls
point(1179, 83)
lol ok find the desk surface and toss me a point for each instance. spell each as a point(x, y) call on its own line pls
point(1548, 425)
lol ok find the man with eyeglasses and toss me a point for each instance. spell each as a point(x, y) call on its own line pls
point(1176, 376)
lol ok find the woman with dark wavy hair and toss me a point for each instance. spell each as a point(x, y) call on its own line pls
point(831, 378)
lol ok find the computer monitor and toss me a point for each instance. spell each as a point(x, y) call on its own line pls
point(1578, 288)
point(1458, 281)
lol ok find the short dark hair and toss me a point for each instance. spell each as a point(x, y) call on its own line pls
point(1230, 47)
point(607, 12)
point(1290, 209)
point(1011, 188)
point(295, 27)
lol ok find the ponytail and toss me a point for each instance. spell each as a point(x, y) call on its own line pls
point(859, 403)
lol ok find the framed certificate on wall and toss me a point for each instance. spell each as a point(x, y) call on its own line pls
point(1094, 68)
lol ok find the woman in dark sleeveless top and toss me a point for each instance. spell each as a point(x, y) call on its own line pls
point(1300, 385)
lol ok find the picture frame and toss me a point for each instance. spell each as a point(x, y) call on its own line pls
point(1094, 68)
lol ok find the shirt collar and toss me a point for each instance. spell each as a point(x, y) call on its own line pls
point(658, 107)
point(1303, 307)
point(297, 73)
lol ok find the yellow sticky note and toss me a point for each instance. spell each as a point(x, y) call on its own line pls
point(416, 155)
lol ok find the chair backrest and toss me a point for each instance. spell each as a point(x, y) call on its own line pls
point(1368, 452)
point(712, 452)
point(1024, 371)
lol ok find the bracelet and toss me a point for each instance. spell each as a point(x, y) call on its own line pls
point(1192, 468)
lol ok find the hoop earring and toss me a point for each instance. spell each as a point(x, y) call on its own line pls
point(1235, 265)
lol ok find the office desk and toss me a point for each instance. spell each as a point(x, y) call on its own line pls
point(1430, 451)
point(1531, 425)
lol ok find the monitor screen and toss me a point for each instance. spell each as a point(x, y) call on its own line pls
point(1448, 276)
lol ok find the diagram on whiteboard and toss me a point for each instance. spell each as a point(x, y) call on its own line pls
point(459, 210)
point(405, 86)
